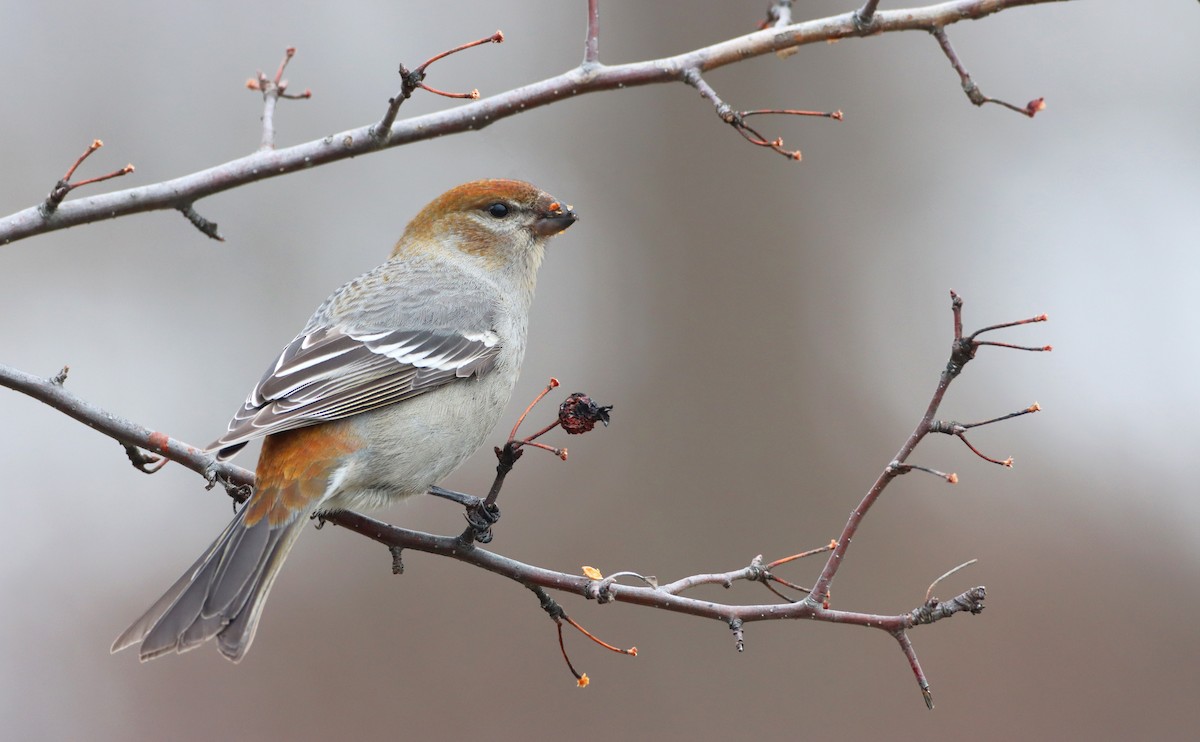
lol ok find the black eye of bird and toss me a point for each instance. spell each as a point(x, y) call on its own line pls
point(498, 210)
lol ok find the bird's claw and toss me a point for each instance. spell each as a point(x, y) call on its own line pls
point(481, 517)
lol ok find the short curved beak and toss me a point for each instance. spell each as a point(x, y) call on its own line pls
point(555, 219)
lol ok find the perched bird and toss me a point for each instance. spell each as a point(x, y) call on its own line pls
point(396, 379)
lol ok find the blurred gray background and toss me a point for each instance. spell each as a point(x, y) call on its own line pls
point(768, 331)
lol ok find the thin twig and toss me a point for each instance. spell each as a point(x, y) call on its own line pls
point(776, 578)
point(208, 228)
point(1006, 463)
point(591, 46)
point(932, 585)
point(65, 186)
point(950, 477)
point(272, 90)
point(911, 654)
point(631, 652)
point(1035, 407)
point(819, 550)
point(976, 96)
point(1006, 325)
point(412, 80)
point(550, 386)
point(737, 119)
point(95, 145)
point(739, 636)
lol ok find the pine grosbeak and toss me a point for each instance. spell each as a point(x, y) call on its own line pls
point(396, 379)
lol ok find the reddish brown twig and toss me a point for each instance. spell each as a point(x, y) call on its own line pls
point(766, 576)
point(411, 80)
point(95, 145)
point(580, 414)
point(819, 550)
point(974, 94)
point(915, 664)
point(530, 440)
point(631, 652)
point(558, 615)
point(65, 186)
point(1006, 463)
point(950, 477)
point(496, 38)
point(957, 429)
point(550, 386)
point(737, 119)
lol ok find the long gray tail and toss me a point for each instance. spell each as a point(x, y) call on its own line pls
point(221, 596)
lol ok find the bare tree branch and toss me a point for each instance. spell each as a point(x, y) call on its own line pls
point(589, 77)
point(148, 450)
point(669, 597)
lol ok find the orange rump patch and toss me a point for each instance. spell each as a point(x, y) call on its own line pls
point(294, 469)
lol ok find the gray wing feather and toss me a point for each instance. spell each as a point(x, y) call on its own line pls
point(341, 366)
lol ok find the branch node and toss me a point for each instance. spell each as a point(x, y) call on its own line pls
point(506, 457)
point(864, 17)
point(272, 90)
point(206, 227)
point(934, 610)
point(65, 186)
point(755, 571)
point(412, 80)
point(737, 119)
point(601, 590)
point(739, 637)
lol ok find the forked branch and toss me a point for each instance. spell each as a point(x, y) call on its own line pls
point(589, 77)
point(578, 414)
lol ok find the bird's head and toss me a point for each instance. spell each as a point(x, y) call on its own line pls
point(502, 224)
